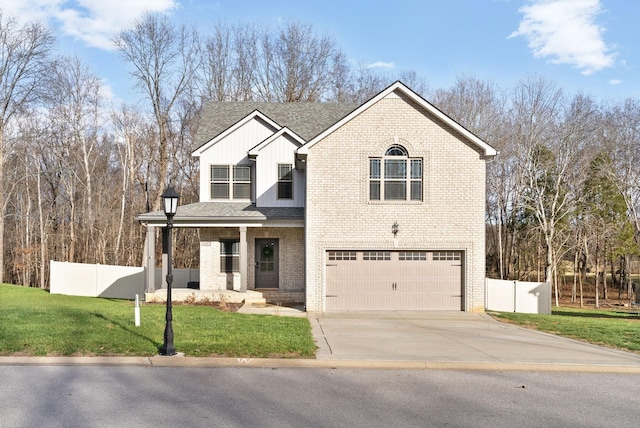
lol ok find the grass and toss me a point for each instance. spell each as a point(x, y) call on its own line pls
point(620, 330)
point(36, 323)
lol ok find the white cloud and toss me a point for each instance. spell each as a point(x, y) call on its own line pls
point(565, 31)
point(615, 82)
point(106, 91)
point(381, 64)
point(93, 21)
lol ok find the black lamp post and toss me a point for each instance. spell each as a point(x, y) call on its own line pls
point(170, 203)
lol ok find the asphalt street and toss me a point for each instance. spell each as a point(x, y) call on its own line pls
point(134, 396)
point(457, 369)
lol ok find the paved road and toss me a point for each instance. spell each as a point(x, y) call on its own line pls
point(131, 396)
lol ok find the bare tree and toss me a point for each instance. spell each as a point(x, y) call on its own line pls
point(342, 85)
point(603, 214)
point(290, 63)
point(418, 84)
point(551, 139)
point(245, 44)
point(130, 142)
point(73, 100)
point(21, 223)
point(537, 109)
point(24, 53)
point(164, 61)
point(366, 84)
point(294, 64)
point(216, 73)
point(481, 108)
point(621, 135)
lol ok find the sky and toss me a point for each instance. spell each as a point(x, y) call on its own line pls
point(587, 46)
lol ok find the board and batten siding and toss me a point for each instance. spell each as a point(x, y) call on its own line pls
point(279, 151)
point(232, 150)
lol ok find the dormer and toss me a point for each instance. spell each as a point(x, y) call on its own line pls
point(278, 181)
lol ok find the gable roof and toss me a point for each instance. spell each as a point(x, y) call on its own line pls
point(401, 88)
point(298, 141)
point(251, 116)
point(304, 119)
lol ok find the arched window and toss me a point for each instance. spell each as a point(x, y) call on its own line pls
point(395, 176)
point(396, 150)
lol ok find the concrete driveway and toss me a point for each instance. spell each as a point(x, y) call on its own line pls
point(455, 339)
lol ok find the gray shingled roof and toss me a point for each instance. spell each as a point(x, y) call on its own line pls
point(305, 119)
point(226, 211)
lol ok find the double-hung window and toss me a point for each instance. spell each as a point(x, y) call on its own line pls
point(230, 182)
point(229, 256)
point(285, 181)
point(395, 176)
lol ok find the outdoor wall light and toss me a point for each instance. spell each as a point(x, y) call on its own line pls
point(395, 228)
point(170, 203)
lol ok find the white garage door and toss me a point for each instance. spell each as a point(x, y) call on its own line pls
point(394, 280)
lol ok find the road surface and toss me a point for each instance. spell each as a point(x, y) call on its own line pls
point(81, 396)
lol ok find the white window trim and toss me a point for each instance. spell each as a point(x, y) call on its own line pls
point(381, 180)
point(280, 180)
point(230, 182)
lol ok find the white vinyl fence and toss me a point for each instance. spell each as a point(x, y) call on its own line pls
point(518, 296)
point(118, 282)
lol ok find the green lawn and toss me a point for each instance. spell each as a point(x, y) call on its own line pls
point(34, 322)
point(610, 328)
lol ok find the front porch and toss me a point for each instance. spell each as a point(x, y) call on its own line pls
point(242, 247)
point(247, 254)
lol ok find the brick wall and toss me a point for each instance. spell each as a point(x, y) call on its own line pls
point(291, 259)
point(450, 217)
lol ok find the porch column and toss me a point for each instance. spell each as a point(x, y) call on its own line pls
point(150, 259)
point(243, 259)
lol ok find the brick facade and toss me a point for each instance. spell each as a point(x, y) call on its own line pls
point(339, 214)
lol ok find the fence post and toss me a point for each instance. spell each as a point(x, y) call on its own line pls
point(515, 296)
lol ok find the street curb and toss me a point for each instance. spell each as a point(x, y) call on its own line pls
point(274, 363)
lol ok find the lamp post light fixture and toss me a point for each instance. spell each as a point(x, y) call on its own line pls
point(395, 229)
point(170, 204)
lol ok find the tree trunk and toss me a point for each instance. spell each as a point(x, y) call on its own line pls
point(43, 234)
point(2, 204)
point(500, 253)
point(575, 275)
point(550, 269)
point(604, 274)
point(597, 279)
point(581, 291)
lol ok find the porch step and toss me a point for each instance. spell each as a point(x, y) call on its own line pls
point(274, 296)
point(254, 298)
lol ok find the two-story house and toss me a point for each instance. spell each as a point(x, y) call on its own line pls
point(379, 206)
